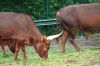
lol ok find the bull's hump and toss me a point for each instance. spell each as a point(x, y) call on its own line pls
point(7, 14)
point(58, 13)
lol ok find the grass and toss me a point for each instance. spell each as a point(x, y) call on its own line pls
point(86, 57)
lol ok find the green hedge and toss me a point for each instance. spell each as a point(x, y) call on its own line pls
point(37, 8)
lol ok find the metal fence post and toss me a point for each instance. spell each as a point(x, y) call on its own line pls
point(47, 13)
point(46, 9)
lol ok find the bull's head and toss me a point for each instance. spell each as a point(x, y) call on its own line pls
point(42, 46)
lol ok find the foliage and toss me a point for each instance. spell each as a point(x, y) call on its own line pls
point(94, 1)
point(37, 8)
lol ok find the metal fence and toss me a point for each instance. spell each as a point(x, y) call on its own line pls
point(47, 26)
point(45, 22)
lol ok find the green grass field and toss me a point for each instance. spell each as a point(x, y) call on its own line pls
point(86, 57)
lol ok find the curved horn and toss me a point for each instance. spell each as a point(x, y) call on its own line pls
point(54, 36)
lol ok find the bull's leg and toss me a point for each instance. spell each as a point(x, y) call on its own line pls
point(12, 47)
point(74, 44)
point(72, 40)
point(24, 53)
point(63, 40)
point(86, 34)
point(3, 50)
point(17, 47)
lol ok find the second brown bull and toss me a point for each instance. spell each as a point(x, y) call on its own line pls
point(83, 17)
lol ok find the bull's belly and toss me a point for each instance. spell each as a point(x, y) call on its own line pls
point(91, 28)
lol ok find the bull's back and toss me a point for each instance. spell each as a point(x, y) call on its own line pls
point(89, 15)
point(9, 26)
point(16, 23)
point(86, 16)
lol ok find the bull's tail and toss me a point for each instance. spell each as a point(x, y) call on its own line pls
point(57, 21)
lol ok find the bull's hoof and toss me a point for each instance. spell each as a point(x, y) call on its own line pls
point(4, 56)
point(17, 59)
point(78, 50)
point(62, 51)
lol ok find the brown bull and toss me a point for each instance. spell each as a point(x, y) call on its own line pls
point(84, 18)
point(21, 29)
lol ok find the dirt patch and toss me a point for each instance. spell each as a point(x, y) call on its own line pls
point(91, 41)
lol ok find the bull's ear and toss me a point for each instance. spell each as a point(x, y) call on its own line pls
point(44, 39)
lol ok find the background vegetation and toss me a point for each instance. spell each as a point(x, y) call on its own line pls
point(37, 8)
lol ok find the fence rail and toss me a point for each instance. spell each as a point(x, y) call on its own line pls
point(45, 22)
point(48, 23)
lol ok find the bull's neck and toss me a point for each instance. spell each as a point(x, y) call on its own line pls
point(36, 33)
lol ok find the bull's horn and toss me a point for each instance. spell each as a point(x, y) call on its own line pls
point(54, 36)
